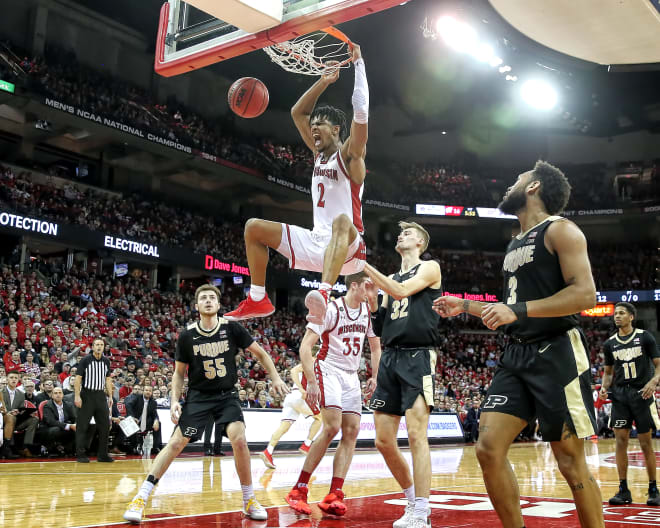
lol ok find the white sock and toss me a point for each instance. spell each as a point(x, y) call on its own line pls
point(257, 292)
point(270, 449)
point(248, 492)
point(145, 490)
point(307, 442)
point(325, 286)
point(410, 494)
point(421, 508)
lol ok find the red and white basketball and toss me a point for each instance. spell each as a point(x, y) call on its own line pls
point(248, 97)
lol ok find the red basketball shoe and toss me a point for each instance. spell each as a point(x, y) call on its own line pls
point(249, 309)
point(316, 302)
point(297, 499)
point(304, 449)
point(334, 503)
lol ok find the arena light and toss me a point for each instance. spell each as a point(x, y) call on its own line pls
point(484, 53)
point(457, 35)
point(539, 94)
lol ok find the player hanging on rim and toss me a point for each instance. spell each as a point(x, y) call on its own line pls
point(207, 350)
point(294, 405)
point(334, 386)
point(335, 245)
point(544, 371)
point(633, 360)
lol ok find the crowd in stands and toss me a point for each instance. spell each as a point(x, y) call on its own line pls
point(59, 75)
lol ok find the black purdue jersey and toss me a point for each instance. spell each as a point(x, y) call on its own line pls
point(632, 357)
point(411, 322)
point(531, 272)
point(210, 355)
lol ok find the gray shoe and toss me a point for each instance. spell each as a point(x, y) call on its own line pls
point(623, 497)
point(654, 498)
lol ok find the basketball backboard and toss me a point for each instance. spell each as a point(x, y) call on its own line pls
point(190, 38)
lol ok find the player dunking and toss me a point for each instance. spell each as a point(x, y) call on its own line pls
point(633, 360)
point(335, 244)
point(544, 371)
point(294, 406)
point(407, 373)
point(334, 386)
point(207, 349)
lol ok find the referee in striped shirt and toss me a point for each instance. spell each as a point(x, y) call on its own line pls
point(93, 388)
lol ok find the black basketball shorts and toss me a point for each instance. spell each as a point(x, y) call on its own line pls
point(628, 406)
point(404, 374)
point(549, 380)
point(225, 409)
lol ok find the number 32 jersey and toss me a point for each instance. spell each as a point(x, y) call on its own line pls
point(210, 354)
point(342, 334)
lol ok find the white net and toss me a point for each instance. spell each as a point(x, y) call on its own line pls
point(315, 54)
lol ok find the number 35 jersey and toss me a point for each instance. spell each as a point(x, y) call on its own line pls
point(342, 334)
point(531, 272)
point(632, 358)
point(210, 354)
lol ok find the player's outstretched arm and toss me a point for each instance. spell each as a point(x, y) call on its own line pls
point(303, 108)
point(266, 361)
point(428, 276)
point(354, 150)
point(451, 306)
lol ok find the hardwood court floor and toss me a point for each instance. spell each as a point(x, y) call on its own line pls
point(205, 492)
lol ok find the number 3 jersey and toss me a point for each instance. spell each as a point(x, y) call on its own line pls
point(210, 354)
point(342, 334)
point(632, 358)
point(531, 272)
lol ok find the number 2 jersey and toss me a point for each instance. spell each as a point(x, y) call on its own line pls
point(342, 334)
point(531, 272)
point(632, 358)
point(333, 194)
point(210, 355)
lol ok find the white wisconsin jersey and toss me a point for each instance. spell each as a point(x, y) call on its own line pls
point(342, 334)
point(333, 193)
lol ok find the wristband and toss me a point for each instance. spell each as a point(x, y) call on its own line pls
point(520, 309)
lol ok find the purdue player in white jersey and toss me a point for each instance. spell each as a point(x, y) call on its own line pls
point(332, 383)
point(294, 405)
point(335, 245)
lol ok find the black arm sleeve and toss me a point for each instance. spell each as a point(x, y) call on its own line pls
point(377, 320)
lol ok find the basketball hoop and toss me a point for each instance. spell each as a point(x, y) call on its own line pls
point(317, 54)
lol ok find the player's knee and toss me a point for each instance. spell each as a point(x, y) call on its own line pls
point(385, 444)
point(331, 430)
point(415, 436)
point(350, 432)
point(486, 455)
point(341, 224)
point(177, 444)
point(568, 467)
point(251, 227)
